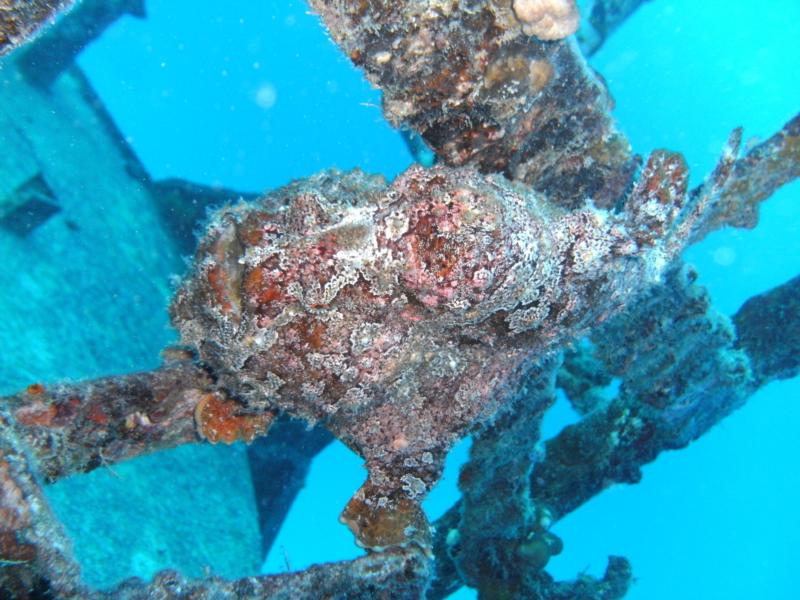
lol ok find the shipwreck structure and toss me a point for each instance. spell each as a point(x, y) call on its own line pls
point(400, 317)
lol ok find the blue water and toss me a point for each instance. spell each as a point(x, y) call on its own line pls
point(250, 95)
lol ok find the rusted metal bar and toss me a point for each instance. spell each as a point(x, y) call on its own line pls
point(74, 428)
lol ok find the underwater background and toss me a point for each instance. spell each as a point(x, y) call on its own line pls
point(250, 95)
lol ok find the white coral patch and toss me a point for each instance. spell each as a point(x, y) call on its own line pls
point(547, 19)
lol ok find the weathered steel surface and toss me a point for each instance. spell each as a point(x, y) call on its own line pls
point(77, 428)
point(485, 94)
point(21, 19)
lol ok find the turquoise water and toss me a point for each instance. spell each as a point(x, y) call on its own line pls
point(251, 95)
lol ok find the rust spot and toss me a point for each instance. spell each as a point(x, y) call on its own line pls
point(252, 236)
point(445, 265)
point(38, 415)
point(258, 288)
point(61, 412)
point(269, 294)
point(218, 280)
point(313, 333)
point(221, 420)
point(254, 281)
point(97, 415)
point(666, 177)
point(14, 551)
point(315, 337)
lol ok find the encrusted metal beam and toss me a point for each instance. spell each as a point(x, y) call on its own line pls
point(22, 19)
point(74, 428)
point(483, 91)
point(56, 49)
point(35, 554)
point(400, 574)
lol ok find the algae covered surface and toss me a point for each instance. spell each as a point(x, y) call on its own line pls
point(212, 233)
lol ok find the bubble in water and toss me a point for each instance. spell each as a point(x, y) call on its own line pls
point(724, 256)
point(266, 96)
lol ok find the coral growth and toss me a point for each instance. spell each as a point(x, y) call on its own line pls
point(547, 19)
point(402, 317)
point(221, 420)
